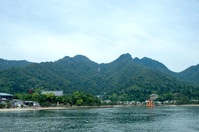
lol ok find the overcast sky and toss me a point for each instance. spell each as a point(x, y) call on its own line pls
point(102, 30)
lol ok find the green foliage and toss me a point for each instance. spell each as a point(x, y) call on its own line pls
point(191, 74)
point(122, 79)
point(166, 97)
point(6, 64)
point(79, 102)
point(50, 97)
point(9, 105)
point(84, 99)
point(182, 99)
point(2, 105)
point(60, 99)
point(76, 98)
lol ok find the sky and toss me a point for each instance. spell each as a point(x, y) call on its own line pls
point(102, 30)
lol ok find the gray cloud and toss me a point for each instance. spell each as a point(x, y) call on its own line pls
point(102, 30)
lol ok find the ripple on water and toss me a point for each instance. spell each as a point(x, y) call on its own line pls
point(164, 119)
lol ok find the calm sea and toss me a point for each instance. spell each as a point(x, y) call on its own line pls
point(129, 119)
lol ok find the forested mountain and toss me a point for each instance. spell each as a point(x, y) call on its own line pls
point(125, 77)
point(6, 64)
point(191, 74)
point(153, 64)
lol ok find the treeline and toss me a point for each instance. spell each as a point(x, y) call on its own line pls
point(181, 94)
point(46, 100)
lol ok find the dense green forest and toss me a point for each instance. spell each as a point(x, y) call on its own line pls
point(123, 79)
point(6, 64)
point(46, 100)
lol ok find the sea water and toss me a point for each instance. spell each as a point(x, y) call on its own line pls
point(126, 119)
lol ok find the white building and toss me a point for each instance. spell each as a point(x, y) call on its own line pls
point(56, 93)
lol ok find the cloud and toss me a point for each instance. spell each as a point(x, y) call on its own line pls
point(102, 30)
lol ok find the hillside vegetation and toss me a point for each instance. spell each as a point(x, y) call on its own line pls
point(124, 79)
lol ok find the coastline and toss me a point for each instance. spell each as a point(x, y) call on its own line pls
point(59, 108)
point(79, 107)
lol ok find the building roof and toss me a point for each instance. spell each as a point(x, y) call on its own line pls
point(5, 94)
point(56, 93)
point(153, 95)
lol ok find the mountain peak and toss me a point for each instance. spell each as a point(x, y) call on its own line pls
point(81, 58)
point(76, 57)
point(123, 58)
point(126, 56)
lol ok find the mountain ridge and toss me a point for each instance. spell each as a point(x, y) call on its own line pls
point(82, 57)
point(6, 64)
point(190, 74)
point(124, 75)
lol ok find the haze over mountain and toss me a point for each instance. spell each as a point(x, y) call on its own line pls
point(124, 76)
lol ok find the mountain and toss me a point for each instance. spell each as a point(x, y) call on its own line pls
point(125, 76)
point(6, 64)
point(191, 74)
point(68, 74)
point(153, 64)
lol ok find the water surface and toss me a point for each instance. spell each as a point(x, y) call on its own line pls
point(128, 119)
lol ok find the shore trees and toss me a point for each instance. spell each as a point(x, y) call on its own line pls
point(50, 99)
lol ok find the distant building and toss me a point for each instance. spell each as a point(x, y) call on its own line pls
point(18, 103)
point(5, 96)
point(153, 96)
point(106, 101)
point(56, 93)
point(31, 103)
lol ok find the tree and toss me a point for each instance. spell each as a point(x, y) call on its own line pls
point(50, 97)
point(2, 105)
point(69, 100)
point(79, 102)
point(60, 99)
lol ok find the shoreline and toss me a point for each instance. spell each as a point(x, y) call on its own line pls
point(58, 108)
point(80, 107)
